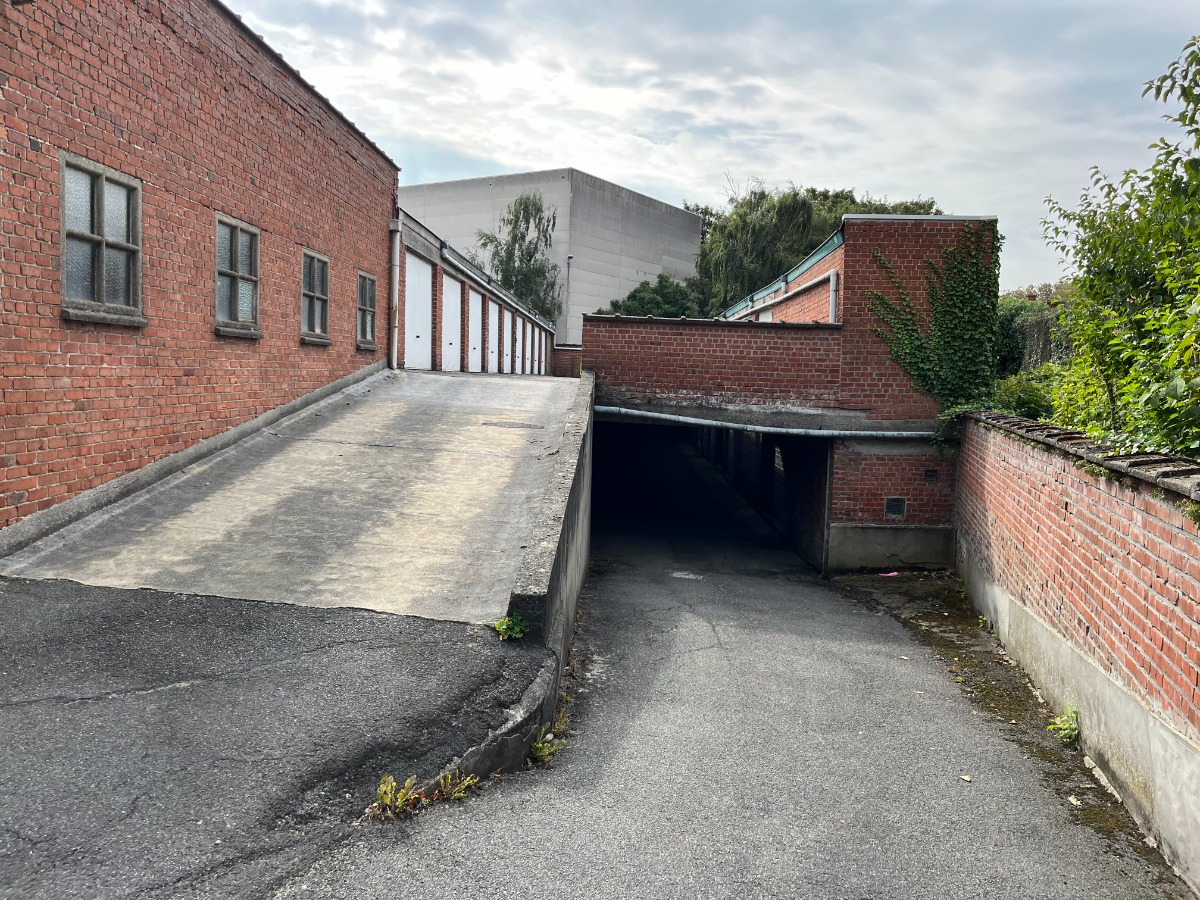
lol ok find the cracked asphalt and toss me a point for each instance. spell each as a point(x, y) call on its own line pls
point(742, 729)
point(168, 745)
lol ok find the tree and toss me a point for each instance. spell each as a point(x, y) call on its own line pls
point(1134, 244)
point(665, 298)
point(516, 253)
point(760, 235)
point(1030, 333)
point(767, 231)
point(830, 205)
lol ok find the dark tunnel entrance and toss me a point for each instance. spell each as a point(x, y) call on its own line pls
point(718, 487)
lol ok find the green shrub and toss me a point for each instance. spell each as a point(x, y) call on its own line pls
point(1029, 394)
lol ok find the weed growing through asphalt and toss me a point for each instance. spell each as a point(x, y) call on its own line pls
point(544, 746)
point(1066, 726)
point(562, 718)
point(396, 801)
point(455, 786)
point(513, 626)
point(393, 801)
point(549, 738)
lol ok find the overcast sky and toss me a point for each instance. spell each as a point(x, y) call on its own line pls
point(987, 107)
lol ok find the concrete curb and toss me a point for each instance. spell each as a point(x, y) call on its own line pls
point(37, 526)
point(506, 748)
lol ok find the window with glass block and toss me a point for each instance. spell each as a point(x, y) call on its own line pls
point(237, 273)
point(101, 240)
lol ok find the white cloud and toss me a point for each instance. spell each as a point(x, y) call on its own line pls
point(987, 109)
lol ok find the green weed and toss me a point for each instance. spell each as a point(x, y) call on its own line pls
point(1066, 726)
point(513, 626)
point(544, 746)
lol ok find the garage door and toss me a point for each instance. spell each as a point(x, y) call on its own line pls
point(418, 313)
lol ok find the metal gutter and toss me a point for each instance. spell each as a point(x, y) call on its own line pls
point(830, 244)
point(889, 217)
point(621, 412)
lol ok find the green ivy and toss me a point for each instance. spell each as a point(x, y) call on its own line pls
point(951, 353)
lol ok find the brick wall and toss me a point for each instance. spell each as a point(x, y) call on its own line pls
point(863, 481)
point(764, 363)
point(702, 361)
point(565, 362)
point(1112, 568)
point(811, 305)
point(871, 380)
point(178, 94)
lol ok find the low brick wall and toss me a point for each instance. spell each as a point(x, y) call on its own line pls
point(702, 361)
point(1091, 573)
point(566, 362)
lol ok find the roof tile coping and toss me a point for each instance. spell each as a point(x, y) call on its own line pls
point(1178, 474)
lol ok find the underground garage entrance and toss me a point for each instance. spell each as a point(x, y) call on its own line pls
point(713, 490)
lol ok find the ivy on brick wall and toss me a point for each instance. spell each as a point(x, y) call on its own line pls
point(951, 353)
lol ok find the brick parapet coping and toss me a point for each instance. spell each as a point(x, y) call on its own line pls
point(1172, 473)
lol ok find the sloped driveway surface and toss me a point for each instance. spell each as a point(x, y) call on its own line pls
point(743, 730)
point(412, 493)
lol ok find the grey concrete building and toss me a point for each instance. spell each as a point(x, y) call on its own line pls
point(607, 241)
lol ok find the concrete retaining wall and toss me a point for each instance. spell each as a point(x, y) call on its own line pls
point(1092, 578)
point(547, 590)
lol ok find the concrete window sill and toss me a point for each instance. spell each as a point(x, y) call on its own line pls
point(125, 317)
point(237, 330)
point(316, 340)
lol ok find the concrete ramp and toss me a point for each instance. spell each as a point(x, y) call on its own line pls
point(411, 492)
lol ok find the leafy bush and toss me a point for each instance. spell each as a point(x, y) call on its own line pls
point(1134, 380)
point(665, 298)
point(1029, 394)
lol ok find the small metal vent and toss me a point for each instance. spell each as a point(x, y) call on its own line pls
point(931, 476)
point(893, 507)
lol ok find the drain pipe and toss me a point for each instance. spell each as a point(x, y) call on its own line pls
point(762, 429)
point(394, 295)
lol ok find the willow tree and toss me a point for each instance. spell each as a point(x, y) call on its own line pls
point(517, 253)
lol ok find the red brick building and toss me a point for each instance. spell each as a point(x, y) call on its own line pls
point(194, 237)
point(801, 402)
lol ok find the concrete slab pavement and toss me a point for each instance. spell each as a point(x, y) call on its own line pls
point(411, 493)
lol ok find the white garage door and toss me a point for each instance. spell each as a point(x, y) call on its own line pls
point(493, 336)
point(475, 332)
point(451, 324)
point(418, 313)
point(506, 338)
